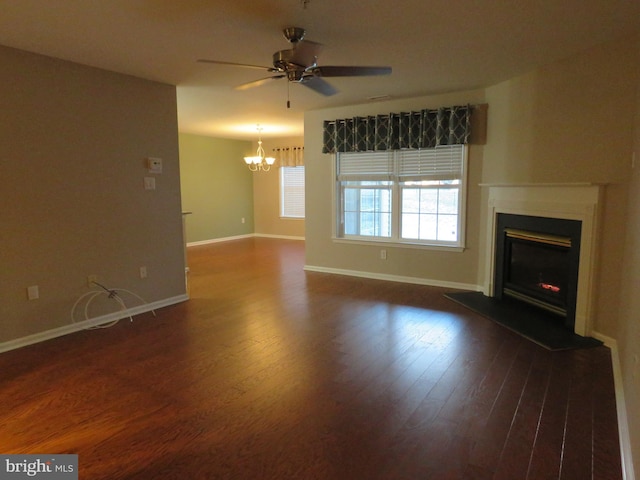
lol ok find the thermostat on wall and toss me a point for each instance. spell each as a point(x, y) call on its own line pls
point(154, 165)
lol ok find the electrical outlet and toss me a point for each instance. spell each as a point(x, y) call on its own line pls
point(242, 220)
point(149, 183)
point(383, 254)
point(91, 280)
point(143, 272)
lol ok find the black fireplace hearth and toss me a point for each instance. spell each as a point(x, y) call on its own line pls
point(532, 323)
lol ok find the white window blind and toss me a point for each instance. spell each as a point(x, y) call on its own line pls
point(365, 165)
point(440, 163)
point(292, 192)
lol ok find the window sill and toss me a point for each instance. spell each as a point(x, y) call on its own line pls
point(391, 243)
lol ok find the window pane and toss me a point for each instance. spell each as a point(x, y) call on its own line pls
point(351, 224)
point(428, 227)
point(384, 224)
point(410, 225)
point(434, 217)
point(368, 200)
point(411, 200)
point(367, 209)
point(385, 200)
point(448, 228)
point(429, 200)
point(351, 199)
point(367, 224)
point(448, 201)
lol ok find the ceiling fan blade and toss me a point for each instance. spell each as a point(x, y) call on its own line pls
point(257, 83)
point(245, 65)
point(337, 71)
point(319, 85)
point(305, 53)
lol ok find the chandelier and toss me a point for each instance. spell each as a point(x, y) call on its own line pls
point(259, 161)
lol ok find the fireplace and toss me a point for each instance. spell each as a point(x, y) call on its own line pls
point(537, 262)
point(563, 214)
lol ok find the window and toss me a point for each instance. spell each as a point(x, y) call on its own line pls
point(404, 196)
point(292, 192)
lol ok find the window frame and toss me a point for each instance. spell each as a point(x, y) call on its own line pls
point(397, 186)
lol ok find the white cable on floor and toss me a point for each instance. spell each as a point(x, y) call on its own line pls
point(111, 293)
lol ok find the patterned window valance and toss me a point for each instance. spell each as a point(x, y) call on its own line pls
point(289, 156)
point(394, 131)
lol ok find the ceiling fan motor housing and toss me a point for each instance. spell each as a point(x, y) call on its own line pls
point(282, 61)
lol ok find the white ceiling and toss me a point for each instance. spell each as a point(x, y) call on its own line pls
point(433, 46)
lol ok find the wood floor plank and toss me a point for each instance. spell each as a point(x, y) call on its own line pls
point(546, 456)
point(516, 453)
point(271, 372)
point(487, 451)
point(577, 458)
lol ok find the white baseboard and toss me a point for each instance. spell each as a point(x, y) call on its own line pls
point(621, 407)
point(395, 278)
point(239, 237)
point(218, 240)
point(93, 322)
point(283, 237)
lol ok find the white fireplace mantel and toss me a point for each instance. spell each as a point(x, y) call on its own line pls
point(571, 201)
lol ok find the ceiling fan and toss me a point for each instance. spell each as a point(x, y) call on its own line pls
point(299, 64)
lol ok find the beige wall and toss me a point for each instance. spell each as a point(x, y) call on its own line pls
point(72, 163)
point(629, 313)
point(217, 187)
point(266, 195)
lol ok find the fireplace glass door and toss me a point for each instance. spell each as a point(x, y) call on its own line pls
point(537, 262)
point(538, 269)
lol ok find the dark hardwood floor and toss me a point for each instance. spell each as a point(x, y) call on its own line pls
point(269, 372)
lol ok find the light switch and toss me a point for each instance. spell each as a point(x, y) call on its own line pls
point(33, 292)
point(149, 183)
